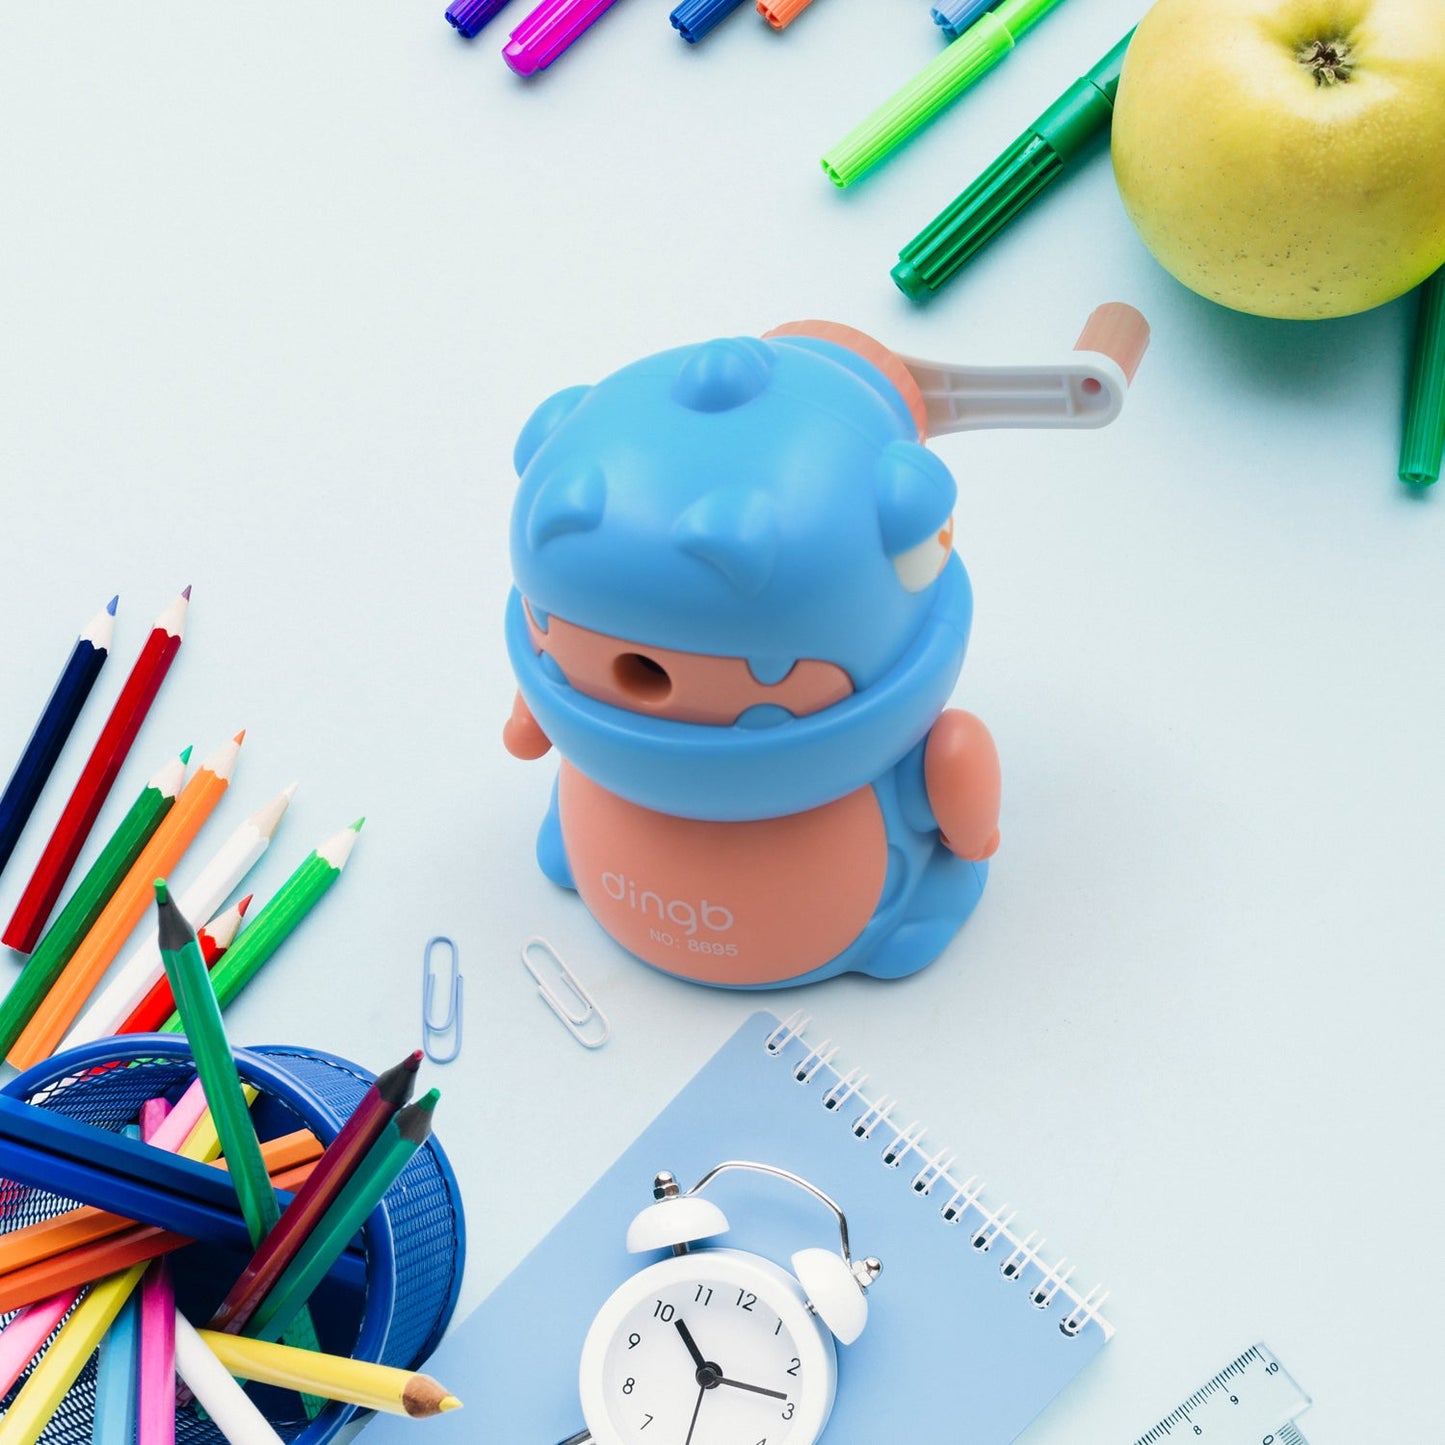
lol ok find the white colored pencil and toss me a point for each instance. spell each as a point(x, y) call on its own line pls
point(216, 882)
point(231, 1409)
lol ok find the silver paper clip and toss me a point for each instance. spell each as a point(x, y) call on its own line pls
point(432, 1028)
point(582, 1019)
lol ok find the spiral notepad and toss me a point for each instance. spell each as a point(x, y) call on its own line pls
point(970, 1332)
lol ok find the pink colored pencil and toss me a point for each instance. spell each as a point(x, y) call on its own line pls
point(156, 1383)
point(21, 1339)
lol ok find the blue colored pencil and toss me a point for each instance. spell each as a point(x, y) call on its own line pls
point(114, 1416)
point(33, 770)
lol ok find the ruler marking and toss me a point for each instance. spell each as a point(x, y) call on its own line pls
point(1241, 1402)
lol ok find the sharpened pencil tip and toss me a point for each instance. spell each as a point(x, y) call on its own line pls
point(186, 591)
point(113, 604)
point(186, 756)
point(162, 892)
point(412, 1062)
point(244, 904)
point(449, 1402)
point(428, 1100)
point(357, 826)
point(239, 738)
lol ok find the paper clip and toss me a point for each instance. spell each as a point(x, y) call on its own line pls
point(432, 1028)
point(584, 1021)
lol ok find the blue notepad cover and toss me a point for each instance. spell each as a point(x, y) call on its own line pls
point(953, 1350)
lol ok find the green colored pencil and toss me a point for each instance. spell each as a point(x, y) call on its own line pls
point(88, 901)
point(216, 1067)
point(404, 1134)
point(283, 911)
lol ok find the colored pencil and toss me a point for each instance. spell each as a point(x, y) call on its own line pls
point(89, 900)
point(24, 1337)
point(57, 718)
point(112, 1421)
point(142, 970)
point(215, 1065)
point(94, 784)
point(402, 1136)
point(61, 1364)
point(48, 1150)
point(781, 13)
point(97, 951)
point(286, 1156)
point(342, 1157)
point(153, 1377)
point(231, 1409)
point(283, 911)
point(130, 1244)
point(338, 1377)
point(158, 1005)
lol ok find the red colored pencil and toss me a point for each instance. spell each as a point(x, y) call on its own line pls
point(94, 784)
point(377, 1107)
point(160, 1003)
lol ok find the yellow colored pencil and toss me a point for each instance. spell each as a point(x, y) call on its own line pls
point(61, 1364)
point(336, 1377)
point(97, 951)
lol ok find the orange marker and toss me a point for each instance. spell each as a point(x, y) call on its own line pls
point(779, 13)
point(126, 908)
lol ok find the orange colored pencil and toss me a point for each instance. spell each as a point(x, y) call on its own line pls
point(126, 908)
point(131, 1244)
point(85, 1225)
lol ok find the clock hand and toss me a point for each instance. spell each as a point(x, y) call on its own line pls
point(691, 1344)
point(695, 1409)
point(756, 1389)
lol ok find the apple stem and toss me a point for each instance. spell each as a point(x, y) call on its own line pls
point(1328, 59)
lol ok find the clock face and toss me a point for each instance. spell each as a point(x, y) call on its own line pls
point(714, 1347)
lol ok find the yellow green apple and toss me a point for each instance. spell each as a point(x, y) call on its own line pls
point(1287, 157)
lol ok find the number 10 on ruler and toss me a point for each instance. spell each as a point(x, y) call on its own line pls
point(1252, 1401)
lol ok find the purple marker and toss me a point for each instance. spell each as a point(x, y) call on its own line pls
point(468, 16)
point(548, 31)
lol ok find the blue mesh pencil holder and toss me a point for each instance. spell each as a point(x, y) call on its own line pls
point(414, 1243)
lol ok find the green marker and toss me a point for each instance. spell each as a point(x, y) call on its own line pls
point(88, 901)
point(1424, 438)
point(1014, 181)
point(405, 1133)
point(274, 923)
point(937, 85)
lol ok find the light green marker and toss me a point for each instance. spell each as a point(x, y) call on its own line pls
point(937, 85)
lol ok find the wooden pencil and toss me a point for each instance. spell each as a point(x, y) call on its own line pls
point(343, 1155)
point(89, 900)
point(129, 1244)
point(57, 719)
point(141, 970)
point(284, 910)
point(402, 1136)
point(100, 771)
point(231, 1409)
point(158, 1005)
point(196, 803)
point(337, 1377)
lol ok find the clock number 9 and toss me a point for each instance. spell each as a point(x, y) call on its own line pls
point(633, 1341)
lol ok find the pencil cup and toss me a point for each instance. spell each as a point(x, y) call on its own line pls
point(414, 1243)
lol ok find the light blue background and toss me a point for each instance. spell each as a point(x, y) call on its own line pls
point(279, 285)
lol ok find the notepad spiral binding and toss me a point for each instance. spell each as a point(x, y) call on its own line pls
point(988, 1230)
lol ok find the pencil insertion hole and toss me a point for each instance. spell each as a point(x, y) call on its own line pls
point(1092, 386)
point(640, 677)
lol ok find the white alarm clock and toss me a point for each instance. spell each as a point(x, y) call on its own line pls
point(718, 1346)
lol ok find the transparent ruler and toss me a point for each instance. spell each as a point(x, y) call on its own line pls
point(1252, 1401)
